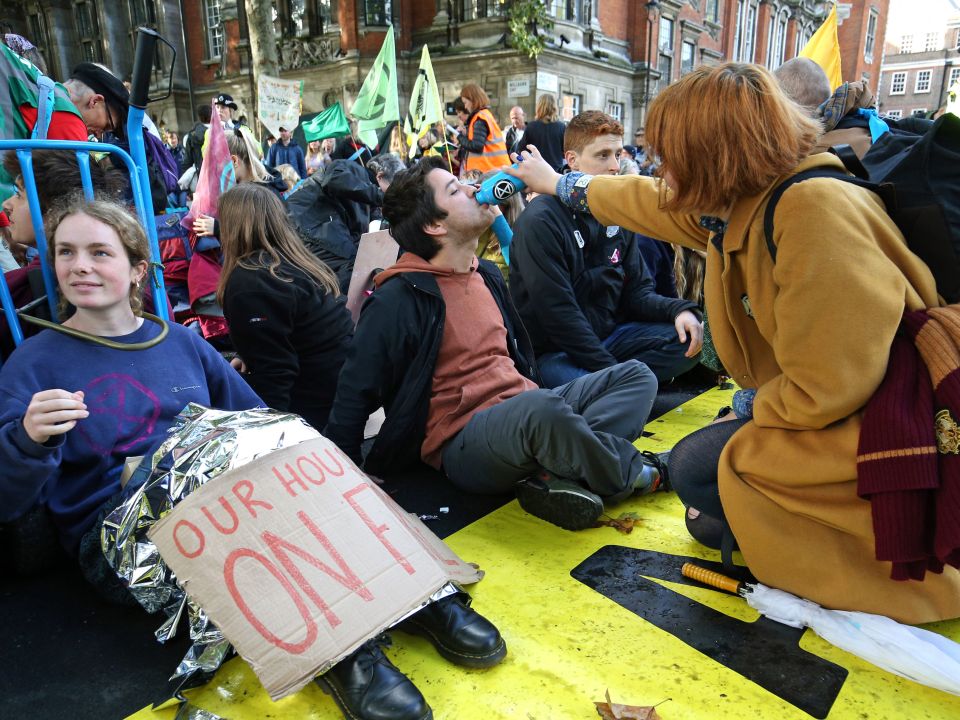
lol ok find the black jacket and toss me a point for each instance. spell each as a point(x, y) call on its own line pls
point(293, 337)
point(574, 280)
point(391, 364)
point(192, 145)
point(331, 210)
point(548, 139)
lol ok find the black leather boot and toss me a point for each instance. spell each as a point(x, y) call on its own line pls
point(460, 634)
point(367, 686)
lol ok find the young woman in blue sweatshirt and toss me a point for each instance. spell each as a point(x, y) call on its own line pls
point(72, 410)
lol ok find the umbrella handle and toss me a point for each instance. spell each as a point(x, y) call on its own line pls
point(711, 578)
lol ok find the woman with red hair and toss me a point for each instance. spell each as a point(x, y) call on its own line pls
point(806, 333)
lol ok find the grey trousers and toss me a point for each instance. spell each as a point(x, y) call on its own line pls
point(582, 431)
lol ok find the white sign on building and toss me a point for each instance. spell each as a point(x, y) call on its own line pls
point(518, 87)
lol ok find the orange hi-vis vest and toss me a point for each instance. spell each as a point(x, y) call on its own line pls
point(494, 153)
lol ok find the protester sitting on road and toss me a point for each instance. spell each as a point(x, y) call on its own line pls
point(288, 321)
point(440, 346)
point(331, 210)
point(807, 332)
point(480, 138)
point(582, 288)
point(66, 428)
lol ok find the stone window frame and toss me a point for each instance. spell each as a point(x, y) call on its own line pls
point(924, 77)
point(918, 112)
point(894, 114)
point(954, 76)
point(92, 40)
point(779, 21)
point(898, 78)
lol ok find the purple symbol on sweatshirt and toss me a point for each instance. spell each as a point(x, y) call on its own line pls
point(126, 412)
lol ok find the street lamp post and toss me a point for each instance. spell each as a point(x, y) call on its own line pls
point(652, 6)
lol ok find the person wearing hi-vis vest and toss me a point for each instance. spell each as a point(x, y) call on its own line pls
point(482, 139)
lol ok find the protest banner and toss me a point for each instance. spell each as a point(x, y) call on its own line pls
point(278, 103)
point(299, 558)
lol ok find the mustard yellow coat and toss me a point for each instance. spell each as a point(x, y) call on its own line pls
point(812, 334)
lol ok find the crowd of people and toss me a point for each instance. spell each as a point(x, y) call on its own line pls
point(532, 377)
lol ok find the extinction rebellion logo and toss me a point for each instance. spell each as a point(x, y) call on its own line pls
point(503, 189)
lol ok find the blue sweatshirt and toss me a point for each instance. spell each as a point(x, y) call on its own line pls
point(132, 397)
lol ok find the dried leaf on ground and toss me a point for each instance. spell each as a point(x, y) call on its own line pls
point(624, 524)
point(615, 711)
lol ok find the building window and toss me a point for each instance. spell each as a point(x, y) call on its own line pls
point(713, 11)
point(666, 34)
point(570, 10)
point(211, 17)
point(737, 35)
point(687, 53)
point(749, 34)
point(919, 112)
point(666, 70)
point(38, 35)
point(377, 13)
point(894, 114)
point(614, 110)
point(906, 44)
point(88, 30)
point(898, 83)
point(871, 40)
point(569, 106)
point(777, 44)
point(954, 77)
point(142, 12)
point(932, 42)
point(923, 81)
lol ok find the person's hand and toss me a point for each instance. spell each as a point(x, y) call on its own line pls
point(239, 365)
point(534, 171)
point(53, 412)
point(203, 225)
point(688, 325)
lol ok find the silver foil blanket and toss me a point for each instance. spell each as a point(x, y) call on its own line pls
point(203, 443)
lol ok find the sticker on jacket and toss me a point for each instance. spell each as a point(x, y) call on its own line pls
point(615, 258)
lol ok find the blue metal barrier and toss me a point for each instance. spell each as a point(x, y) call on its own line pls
point(136, 164)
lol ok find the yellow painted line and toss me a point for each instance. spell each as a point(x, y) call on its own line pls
point(568, 645)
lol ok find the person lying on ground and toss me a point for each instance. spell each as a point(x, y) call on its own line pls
point(441, 347)
point(808, 333)
point(582, 288)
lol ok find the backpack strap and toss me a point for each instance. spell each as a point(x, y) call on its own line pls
point(798, 178)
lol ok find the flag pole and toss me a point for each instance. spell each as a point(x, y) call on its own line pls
point(436, 95)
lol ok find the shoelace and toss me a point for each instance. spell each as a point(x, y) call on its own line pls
point(663, 482)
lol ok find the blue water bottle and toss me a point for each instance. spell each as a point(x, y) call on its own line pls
point(499, 188)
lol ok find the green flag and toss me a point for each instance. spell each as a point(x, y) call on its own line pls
point(425, 108)
point(331, 123)
point(377, 102)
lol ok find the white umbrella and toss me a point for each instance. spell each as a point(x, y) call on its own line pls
point(919, 655)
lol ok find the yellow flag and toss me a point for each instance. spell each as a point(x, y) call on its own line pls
point(824, 49)
point(425, 108)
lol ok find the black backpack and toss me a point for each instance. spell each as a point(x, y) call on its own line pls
point(918, 179)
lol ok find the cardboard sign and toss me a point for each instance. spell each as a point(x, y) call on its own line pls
point(376, 251)
point(278, 103)
point(298, 558)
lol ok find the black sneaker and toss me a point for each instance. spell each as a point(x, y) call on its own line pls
point(365, 685)
point(562, 502)
point(654, 475)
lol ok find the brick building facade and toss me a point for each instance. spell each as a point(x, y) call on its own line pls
point(612, 55)
point(919, 68)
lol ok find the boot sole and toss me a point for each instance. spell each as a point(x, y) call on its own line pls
point(457, 657)
point(332, 691)
point(571, 510)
